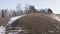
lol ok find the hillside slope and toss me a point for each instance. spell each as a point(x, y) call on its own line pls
point(38, 24)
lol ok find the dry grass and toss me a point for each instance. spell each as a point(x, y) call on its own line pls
point(36, 23)
point(4, 21)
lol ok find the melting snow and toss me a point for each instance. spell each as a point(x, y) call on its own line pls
point(50, 31)
point(13, 19)
point(2, 30)
point(56, 17)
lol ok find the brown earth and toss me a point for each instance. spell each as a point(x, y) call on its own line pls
point(37, 23)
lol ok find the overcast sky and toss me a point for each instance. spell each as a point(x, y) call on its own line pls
point(11, 4)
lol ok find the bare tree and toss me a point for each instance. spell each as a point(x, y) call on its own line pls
point(14, 13)
point(2, 13)
point(18, 7)
point(19, 11)
point(26, 8)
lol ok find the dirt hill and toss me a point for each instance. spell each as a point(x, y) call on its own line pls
point(38, 24)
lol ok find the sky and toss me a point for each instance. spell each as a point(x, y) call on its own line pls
point(39, 4)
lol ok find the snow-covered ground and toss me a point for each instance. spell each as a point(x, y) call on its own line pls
point(56, 17)
point(13, 19)
point(11, 22)
point(3, 28)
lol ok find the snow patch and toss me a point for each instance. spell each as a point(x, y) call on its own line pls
point(56, 17)
point(11, 22)
point(2, 30)
point(13, 19)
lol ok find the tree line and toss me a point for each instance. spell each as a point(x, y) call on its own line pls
point(28, 9)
